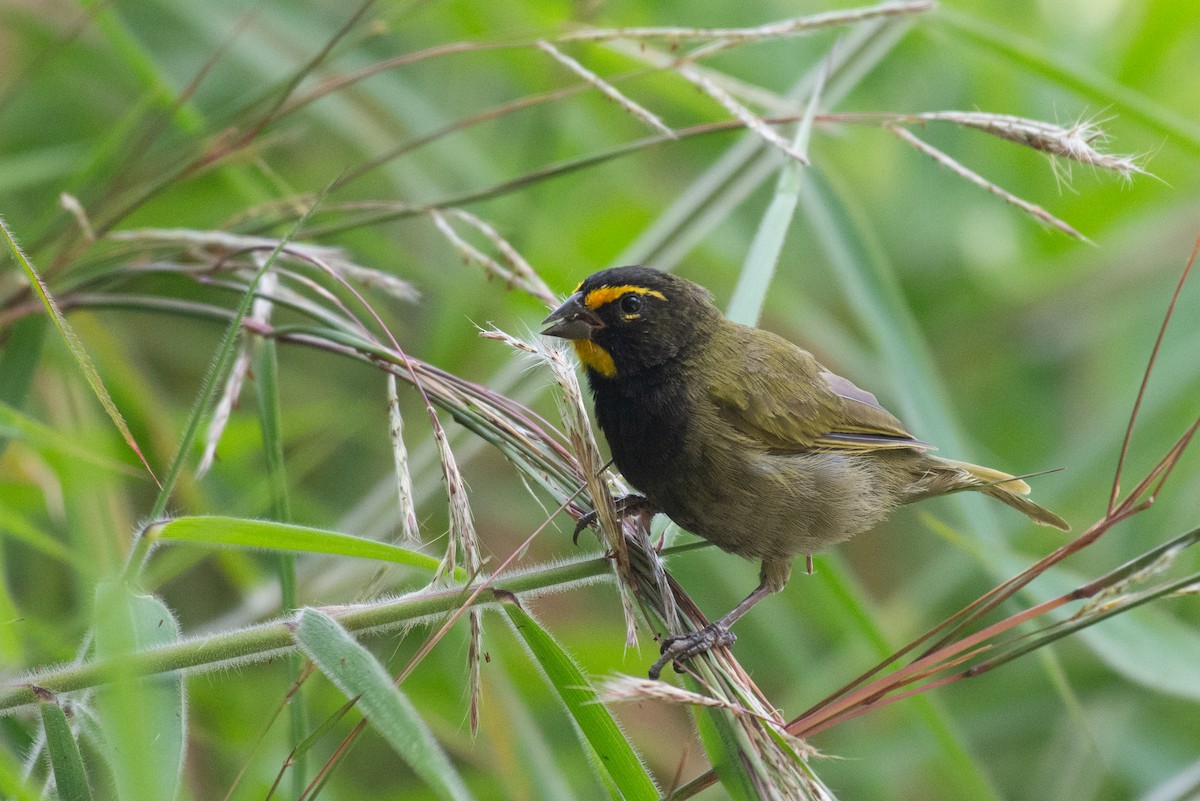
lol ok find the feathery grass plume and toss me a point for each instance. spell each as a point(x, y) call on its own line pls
point(639, 112)
point(411, 533)
point(462, 524)
point(624, 688)
point(1032, 209)
point(1074, 143)
point(571, 407)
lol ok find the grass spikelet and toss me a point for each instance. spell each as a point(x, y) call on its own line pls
point(404, 490)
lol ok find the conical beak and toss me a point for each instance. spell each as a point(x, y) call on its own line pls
point(572, 320)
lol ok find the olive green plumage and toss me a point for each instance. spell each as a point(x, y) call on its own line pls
point(740, 436)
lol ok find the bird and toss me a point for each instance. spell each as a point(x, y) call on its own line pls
point(742, 437)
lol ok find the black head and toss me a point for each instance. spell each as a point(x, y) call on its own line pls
point(629, 319)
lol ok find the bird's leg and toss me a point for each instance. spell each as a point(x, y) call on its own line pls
point(772, 578)
point(626, 506)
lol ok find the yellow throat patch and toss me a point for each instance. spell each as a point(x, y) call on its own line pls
point(595, 357)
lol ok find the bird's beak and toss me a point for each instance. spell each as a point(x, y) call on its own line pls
point(572, 320)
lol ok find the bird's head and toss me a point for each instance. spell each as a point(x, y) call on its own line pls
point(629, 319)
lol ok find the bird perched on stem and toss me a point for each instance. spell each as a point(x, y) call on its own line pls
point(743, 438)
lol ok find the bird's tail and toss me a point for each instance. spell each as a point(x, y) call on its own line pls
point(1011, 491)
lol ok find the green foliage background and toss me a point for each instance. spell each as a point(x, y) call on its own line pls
point(1038, 343)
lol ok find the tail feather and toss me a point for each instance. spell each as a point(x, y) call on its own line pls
point(1011, 491)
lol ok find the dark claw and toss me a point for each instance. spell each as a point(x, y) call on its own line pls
point(628, 505)
point(586, 520)
point(683, 647)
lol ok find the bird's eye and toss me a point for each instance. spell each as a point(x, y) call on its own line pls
point(630, 304)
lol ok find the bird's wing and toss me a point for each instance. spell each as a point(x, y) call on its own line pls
point(780, 396)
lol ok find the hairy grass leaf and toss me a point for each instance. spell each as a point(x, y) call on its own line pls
point(70, 777)
point(247, 533)
point(143, 719)
point(358, 674)
point(613, 755)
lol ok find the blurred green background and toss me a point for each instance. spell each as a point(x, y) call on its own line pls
point(1030, 347)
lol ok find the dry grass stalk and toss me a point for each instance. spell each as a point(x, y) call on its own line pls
point(218, 249)
point(1074, 143)
point(1032, 209)
point(745, 115)
point(583, 445)
point(731, 37)
point(474, 665)
point(639, 112)
point(404, 489)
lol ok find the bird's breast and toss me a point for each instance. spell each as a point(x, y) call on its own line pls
point(646, 423)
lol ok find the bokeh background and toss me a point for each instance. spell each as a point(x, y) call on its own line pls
point(999, 339)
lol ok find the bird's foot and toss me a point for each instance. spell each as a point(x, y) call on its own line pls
point(626, 506)
point(683, 647)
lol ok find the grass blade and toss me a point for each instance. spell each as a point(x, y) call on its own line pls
point(144, 718)
point(613, 755)
point(751, 291)
point(247, 533)
point(70, 778)
point(358, 674)
point(73, 344)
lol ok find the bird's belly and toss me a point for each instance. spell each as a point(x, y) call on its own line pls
point(765, 505)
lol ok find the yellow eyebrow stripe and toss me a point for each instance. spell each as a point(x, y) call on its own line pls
point(607, 294)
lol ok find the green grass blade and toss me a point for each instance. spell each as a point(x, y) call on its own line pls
point(719, 736)
point(358, 674)
point(73, 344)
point(759, 268)
point(247, 533)
point(614, 754)
point(270, 416)
point(70, 778)
point(529, 769)
point(143, 718)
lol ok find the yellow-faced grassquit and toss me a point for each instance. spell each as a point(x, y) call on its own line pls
point(743, 438)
